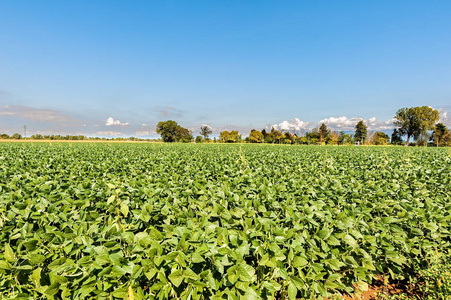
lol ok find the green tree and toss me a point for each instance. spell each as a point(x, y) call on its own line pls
point(276, 135)
point(439, 134)
point(344, 139)
point(360, 131)
point(333, 138)
point(415, 121)
point(380, 138)
point(167, 130)
point(229, 136)
point(267, 138)
point(312, 137)
point(198, 139)
point(171, 132)
point(16, 136)
point(396, 138)
point(183, 135)
point(323, 133)
point(288, 138)
point(205, 131)
point(255, 136)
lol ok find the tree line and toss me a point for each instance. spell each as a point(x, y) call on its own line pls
point(57, 137)
point(419, 123)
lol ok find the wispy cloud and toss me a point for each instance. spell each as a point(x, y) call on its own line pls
point(145, 130)
point(112, 122)
point(167, 111)
point(35, 114)
point(109, 133)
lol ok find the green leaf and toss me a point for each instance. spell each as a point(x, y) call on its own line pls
point(292, 291)
point(324, 233)
point(121, 293)
point(111, 199)
point(5, 265)
point(299, 262)
point(197, 258)
point(245, 272)
point(24, 267)
point(9, 254)
point(53, 289)
point(124, 209)
point(36, 277)
point(188, 273)
point(348, 239)
point(176, 277)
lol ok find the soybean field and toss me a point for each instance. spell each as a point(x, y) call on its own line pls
point(214, 221)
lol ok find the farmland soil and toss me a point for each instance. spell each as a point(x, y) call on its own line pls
point(378, 288)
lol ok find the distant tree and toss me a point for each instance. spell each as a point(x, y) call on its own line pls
point(361, 131)
point(344, 139)
point(416, 121)
point(380, 138)
point(167, 130)
point(255, 136)
point(205, 131)
point(312, 136)
point(396, 138)
point(198, 139)
point(333, 138)
point(183, 135)
point(267, 138)
point(276, 135)
point(229, 136)
point(288, 138)
point(323, 132)
point(4, 136)
point(447, 139)
point(16, 136)
point(439, 134)
point(303, 140)
point(171, 132)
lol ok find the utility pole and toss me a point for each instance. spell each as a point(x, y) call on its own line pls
point(25, 131)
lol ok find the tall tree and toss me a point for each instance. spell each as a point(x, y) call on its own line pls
point(439, 134)
point(323, 132)
point(396, 137)
point(415, 121)
point(205, 131)
point(276, 135)
point(360, 131)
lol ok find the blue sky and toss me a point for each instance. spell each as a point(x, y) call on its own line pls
point(112, 68)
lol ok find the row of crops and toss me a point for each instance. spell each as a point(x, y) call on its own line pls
point(156, 221)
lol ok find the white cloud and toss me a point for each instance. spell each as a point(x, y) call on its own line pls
point(144, 130)
point(445, 117)
point(112, 122)
point(295, 125)
point(345, 123)
point(35, 114)
point(109, 133)
point(209, 127)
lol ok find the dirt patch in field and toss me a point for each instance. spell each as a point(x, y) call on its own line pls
point(378, 288)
